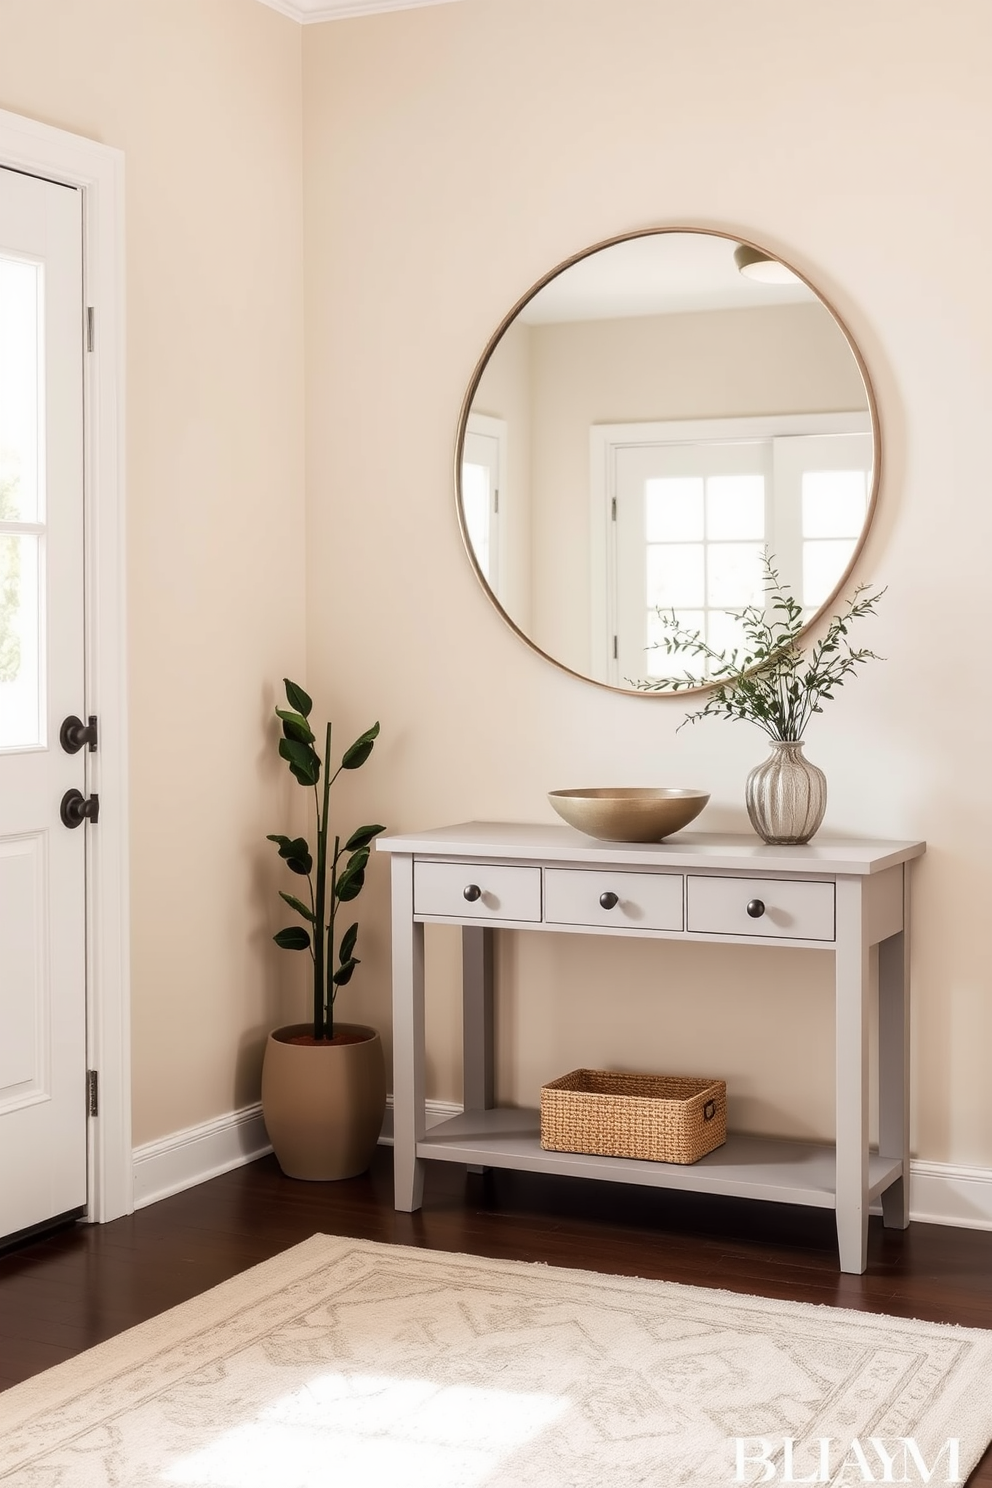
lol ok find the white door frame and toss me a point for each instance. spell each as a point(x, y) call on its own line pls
point(98, 172)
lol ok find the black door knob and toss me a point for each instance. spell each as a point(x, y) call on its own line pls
point(472, 892)
point(756, 908)
point(75, 808)
point(74, 733)
point(609, 900)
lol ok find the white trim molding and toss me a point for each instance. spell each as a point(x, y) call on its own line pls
point(308, 12)
point(98, 172)
point(185, 1158)
point(198, 1153)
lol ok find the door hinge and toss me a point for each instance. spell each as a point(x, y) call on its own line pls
point(92, 1093)
point(496, 500)
point(616, 653)
point(90, 327)
point(613, 509)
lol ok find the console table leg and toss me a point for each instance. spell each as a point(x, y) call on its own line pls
point(408, 1039)
point(852, 973)
point(893, 1065)
point(477, 1022)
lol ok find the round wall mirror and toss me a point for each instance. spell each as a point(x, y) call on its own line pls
point(652, 422)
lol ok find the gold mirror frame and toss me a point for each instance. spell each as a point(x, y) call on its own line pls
point(508, 320)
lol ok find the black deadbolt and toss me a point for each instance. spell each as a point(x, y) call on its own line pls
point(756, 908)
point(75, 808)
point(74, 733)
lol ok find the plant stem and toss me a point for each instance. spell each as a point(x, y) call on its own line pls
point(319, 933)
point(330, 939)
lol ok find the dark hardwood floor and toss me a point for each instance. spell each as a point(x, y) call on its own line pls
point(68, 1290)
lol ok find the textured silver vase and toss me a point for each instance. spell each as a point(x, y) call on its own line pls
point(786, 796)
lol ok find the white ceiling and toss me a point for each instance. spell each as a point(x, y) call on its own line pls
point(309, 11)
point(661, 274)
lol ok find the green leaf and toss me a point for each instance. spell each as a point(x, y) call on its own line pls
point(301, 865)
point(284, 842)
point(297, 698)
point(295, 726)
point(344, 973)
point(294, 938)
point(298, 905)
point(352, 888)
point(303, 761)
point(348, 940)
point(360, 750)
point(362, 837)
point(355, 866)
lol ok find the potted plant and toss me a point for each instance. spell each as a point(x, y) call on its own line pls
point(323, 1082)
point(776, 685)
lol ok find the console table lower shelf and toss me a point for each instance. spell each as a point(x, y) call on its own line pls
point(748, 1167)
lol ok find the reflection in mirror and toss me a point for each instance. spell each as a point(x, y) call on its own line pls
point(642, 430)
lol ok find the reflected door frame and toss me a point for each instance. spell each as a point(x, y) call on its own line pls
point(98, 172)
point(605, 443)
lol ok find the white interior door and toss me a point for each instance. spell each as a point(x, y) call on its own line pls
point(42, 861)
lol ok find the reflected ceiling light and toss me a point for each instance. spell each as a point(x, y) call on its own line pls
point(754, 264)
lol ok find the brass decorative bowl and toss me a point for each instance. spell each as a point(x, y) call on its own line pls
point(628, 813)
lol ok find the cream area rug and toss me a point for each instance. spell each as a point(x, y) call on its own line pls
point(346, 1364)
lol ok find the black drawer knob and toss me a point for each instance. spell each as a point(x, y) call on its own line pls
point(609, 900)
point(472, 892)
point(756, 908)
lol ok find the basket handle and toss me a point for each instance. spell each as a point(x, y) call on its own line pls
point(709, 1110)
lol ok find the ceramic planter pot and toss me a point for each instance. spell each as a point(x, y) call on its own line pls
point(323, 1103)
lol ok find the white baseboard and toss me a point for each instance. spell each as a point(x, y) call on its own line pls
point(191, 1156)
point(941, 1193)
point(198, 1153)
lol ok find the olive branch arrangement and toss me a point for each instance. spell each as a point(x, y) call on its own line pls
point(770, 681)
point(330, 887)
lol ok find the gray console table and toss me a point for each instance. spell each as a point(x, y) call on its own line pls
point(847, 896)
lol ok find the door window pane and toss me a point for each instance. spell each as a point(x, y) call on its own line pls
point(21, 441)
point(673, 509)
point(734, 574)
point(675, 575)
point(735, 507)
point(20, 640)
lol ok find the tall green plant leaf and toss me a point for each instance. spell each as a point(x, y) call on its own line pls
point(344, 973)
point(348, 940)
point(360, 750)
point(362, 837)
point(304, 762)
point(297, 698)
point(295, 726)
point(293, 938)
point(354, 870)
point(298, 905)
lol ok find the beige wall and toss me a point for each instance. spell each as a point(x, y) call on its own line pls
point(204, 98)
point(855, 140)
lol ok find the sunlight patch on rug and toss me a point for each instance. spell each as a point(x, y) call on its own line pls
point(374, 1430)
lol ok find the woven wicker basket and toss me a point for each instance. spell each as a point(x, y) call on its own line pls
point(664, 1118)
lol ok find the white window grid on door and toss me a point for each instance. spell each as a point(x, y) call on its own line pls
point(801, 528)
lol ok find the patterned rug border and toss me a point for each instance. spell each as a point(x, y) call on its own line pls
point(964, 1409)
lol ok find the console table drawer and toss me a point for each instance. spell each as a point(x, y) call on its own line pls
point(783, 908)
point(482, 891)
point(635, 901)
